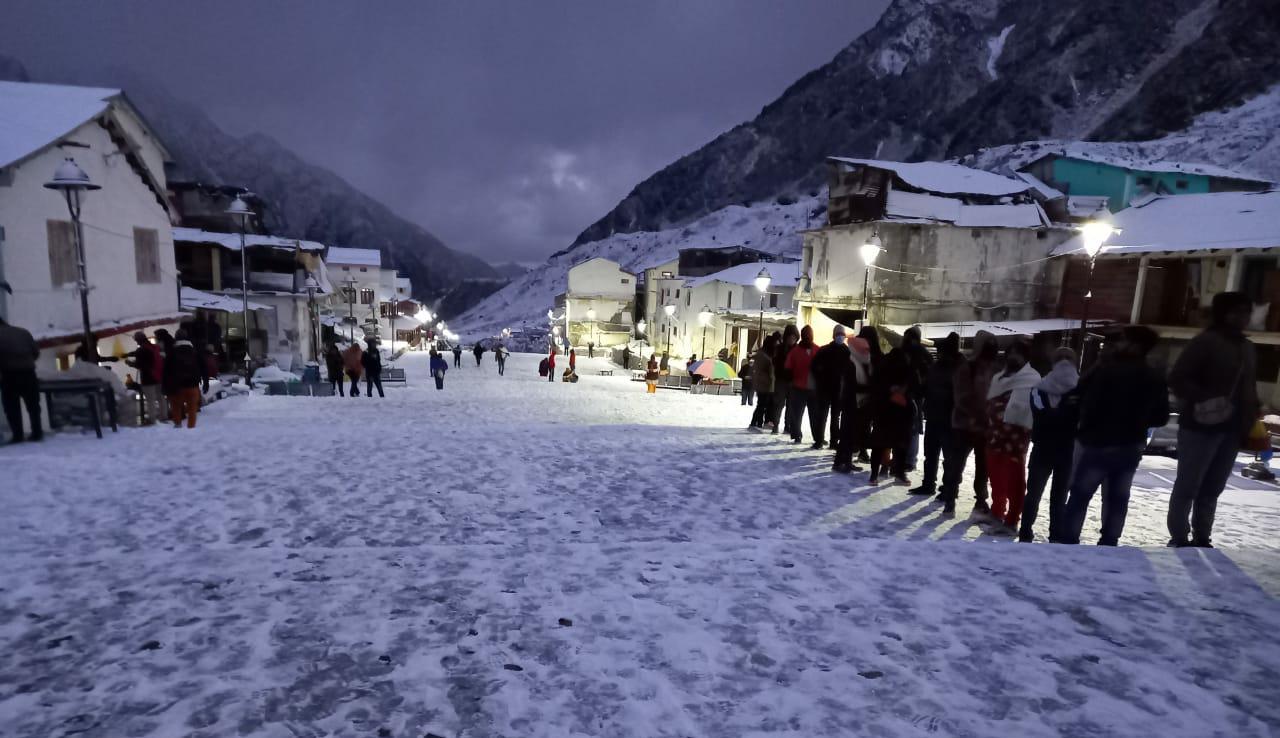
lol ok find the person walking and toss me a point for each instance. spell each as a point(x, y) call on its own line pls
point(478, 350)
point(371, 362)
point(150, 365)
point(651, 374)
point(748, 382)
point(353, 363)
point(828, 371)
point(626, 358)
point(763, 382)
point(457, 356)
point(664, 366)
point(1008, 435)
point(551, 365)
point(591, 350)
point(782, 379)
point(438, 368)
point(500, 357)
point(799, 362)
point(182, 374)
point(969, 424)
point(1055, 411)
point(573, 362)
point(855, 407)
point(1214, 380)
point(333, 363)
point(1119, 400)
point(18, 383)
point(893, 386)
point(939, 402)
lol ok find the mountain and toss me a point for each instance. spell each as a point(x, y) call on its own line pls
point(304, 200)
point(942, 78)
point(510, 270)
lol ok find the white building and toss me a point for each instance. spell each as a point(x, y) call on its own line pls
point(724, 310)
point(128, 247)
point(598, 287)
point(954, 244)
point(358, 283)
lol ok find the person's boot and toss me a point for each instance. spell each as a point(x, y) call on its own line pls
point(921, 490)
point(981, 508)
point(949, 507)
point(1026, 536)
point(818, 445)
point(1178, 543)
point(1201, 543)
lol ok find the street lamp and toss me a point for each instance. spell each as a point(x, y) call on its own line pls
point(591, 318)
point(72, 182)
point(640, 327)
point(240, 212)
point(350, 284)
point(762, 285)
point(312, 285)
point(868, 251)
point(1094, 233)
point(704, 317)
point(395, 308)
point(670, 310)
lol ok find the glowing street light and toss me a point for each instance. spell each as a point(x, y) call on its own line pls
point(670, 310)
point(763, 280)
point(868, 251)
point(704, 317)
point(1094, 233)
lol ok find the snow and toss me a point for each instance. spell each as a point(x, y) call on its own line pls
point(231, 241)
point(342, 566)
point(769, 227)
point(1220, 221)
point(936, 331)
point(1085, 206)
point(33, 116)
point(193, 299)
point(995, 47)
point(1043, 190)
point(781, 274)
point(917, 207)
point(354, 257)
point(944, 178)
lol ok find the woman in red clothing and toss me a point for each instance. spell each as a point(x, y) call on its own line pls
point(1009, 422)
point(797, 364)
point(551, 364)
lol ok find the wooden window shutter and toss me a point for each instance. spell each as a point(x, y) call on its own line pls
point(146, 255)
point(62, 252)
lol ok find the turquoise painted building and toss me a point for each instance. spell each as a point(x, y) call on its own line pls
point(1122, 179)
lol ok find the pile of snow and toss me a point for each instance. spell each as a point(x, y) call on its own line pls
point(274, 374)
point(524, 302)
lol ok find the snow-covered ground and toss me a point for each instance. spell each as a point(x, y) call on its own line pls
point(515, 557)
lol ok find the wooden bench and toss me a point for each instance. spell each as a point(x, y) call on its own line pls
point(394, 375)
point(606, 372)
point(98, 393)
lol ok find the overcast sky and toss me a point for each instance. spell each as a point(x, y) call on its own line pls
point(503, 127)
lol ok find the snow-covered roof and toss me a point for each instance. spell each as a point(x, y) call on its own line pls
point(781, 274)
point(1091, 152)
point(916, 207)
point(1206, 222)
point(33, 116)
point(232, 240)
point(193, 299)
point(937, 331)
point(944, 178)
point(1043, 190)
point(354, 257)
point(1083, 206)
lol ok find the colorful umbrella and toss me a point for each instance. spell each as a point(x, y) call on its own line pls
point(713, 369)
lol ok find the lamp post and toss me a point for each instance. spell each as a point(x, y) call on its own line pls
point(423, 316)
point(591, 318)
point(1094, 233)
point(670, 310)
point(72, 182)
point(395, 308)
point(704, 317)
point(868, 251)
point(240, 212)
point(762, 285)
point(349, 289)
point(312, 285)
point(640, 326)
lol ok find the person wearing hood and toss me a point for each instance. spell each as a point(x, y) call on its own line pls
point(551, 364)
point(1055, 409)
point(651, 375)
point(1214, 378)
point(478, 350)
point(371, 361)
point(920, 361)
point(457, 356)
point(748, 383)
point(438, 367)
point(1119, 400)
point(855, 407)
point(182, 375)
point(353, 362)
point(798, 363)
point(333, 363)
point(1008, 435)
point(972, 379)
point(828, 370)
point(782, 378)
point(939, 401)
point(762, 380)
point(892, 397)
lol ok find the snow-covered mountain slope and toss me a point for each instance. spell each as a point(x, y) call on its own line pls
point(1245, 138)
point(771, 227)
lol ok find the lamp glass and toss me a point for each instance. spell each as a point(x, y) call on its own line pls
point(763, 280)
point(870, 250)
point(669, 310)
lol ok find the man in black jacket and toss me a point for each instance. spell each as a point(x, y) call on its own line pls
point(18, 383)
point(371, 360)
point(827, 369)
point(1119, 400)
point(1055, 412)
point(939, 400)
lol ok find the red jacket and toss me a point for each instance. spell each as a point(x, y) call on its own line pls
point(798, 364)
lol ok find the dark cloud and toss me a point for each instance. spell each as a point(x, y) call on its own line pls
point(504, 127)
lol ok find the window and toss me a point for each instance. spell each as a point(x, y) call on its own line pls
point(677, 293)
point(146, 255)
point(1180, 184)
point(730, 305)
point(668, 275)
point(62, 252)
point(346, 269)
point(626, 281)
point(773, 300)
point(364, 269)
point(366, 297)
point(688, 297)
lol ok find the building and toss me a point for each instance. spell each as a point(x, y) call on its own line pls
point(699, 261)
point(396, 308)
point(359, 290)
point(285, 328)
point(1171, 255)
point(647, 286)
point(951, 244)
point(128, 248)
point(724, 310)
point(598, 303)
point(1085, 176)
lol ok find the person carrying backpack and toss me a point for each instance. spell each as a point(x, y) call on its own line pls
point(1055, 410)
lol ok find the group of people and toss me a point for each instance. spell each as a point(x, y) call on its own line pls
point(355, 362)
point(1083, 433)
point(547, 367)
